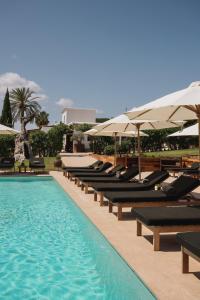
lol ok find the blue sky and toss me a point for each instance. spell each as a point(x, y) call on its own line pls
point(108, 55)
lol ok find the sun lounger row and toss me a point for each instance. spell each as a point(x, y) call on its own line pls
point(34, 163)
point(170, 209)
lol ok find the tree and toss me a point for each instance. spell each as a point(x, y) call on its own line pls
point(6, 116)
point(42, 119)
point(24, 106)
point(7, 145)
point(55, 138)
point(39, 142)
point(83, 127)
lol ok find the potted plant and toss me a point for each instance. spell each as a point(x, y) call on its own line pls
point(58, 161)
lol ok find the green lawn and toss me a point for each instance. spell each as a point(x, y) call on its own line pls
point(49, 163)
point(172, 153)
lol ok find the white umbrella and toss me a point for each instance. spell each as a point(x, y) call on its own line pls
point(94, 132)
point(122, 123)
point(189, 131)
point(7, 130)
point(181, 105)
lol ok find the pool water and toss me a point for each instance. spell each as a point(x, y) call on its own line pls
point(50, 249)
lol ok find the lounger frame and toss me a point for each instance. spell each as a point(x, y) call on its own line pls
point(101, 197)
point(85, 186)
point(163, 203)
point(157, 230)
point(185, 259)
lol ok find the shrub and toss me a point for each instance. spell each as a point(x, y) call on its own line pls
point(55, 138)
point(124, 148)
point(7, 145)
point(109, 150)
point(83, 127)
point(39, 143)
point(100, 142)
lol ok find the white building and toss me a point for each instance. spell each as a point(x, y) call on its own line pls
point(78, 116)
point(73, 116)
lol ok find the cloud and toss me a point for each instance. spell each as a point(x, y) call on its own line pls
point(13, 80)
point(65, 102)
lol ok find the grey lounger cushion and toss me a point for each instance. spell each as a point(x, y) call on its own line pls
point(190, 241)
point(168, 216)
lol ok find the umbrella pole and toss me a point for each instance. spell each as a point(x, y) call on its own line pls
point(139, 150)
point(115, 158)
point(199, 134)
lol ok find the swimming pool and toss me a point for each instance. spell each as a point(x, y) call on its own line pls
point(50, 249)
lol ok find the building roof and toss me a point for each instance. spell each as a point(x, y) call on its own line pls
point(80, 123)
point(78, 109)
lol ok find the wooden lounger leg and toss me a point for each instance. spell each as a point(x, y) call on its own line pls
point(78, 182)
point(156, 240)
point(95, 196)
point(86, 189)
point(119, 213)
point(139, 228)
point(185, 262)
point(82, 187)
point(101, 199)
point(110, 206)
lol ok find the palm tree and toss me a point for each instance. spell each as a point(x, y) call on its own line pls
point(42, 119)
point(24, 106)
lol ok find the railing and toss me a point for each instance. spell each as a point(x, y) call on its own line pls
point(149, 163)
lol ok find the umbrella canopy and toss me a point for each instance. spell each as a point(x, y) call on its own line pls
point(122, 123)
point(189, 131)
point(7, 130)
point(181, 105)
point(94, 132)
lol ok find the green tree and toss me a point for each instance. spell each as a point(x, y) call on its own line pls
point(101, 120)
point(6, 116)
point(55, 138)
point(7, 145)
point(24, 106)
point(42, 119)
point(83, 127)
point(39, 142)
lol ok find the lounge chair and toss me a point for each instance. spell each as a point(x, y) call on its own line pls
point(36, 163)
point(107, 173)
point(168, 219)
point(194, 167)
point(148, 183)
point(87, 182)
point(190, 245)
point(7, 164)
point(170, 196)
point(105, 166)
point(93, 166)
point(110, 173)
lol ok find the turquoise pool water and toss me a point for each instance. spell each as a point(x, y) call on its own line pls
point(50, 250)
